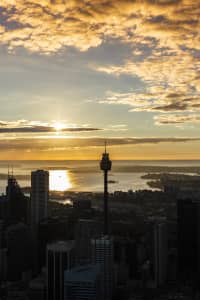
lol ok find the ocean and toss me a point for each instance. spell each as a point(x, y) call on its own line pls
point(86, 175)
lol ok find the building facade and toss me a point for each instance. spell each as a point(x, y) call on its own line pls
point(60, 257)
point(39, 196)
point(102, 253)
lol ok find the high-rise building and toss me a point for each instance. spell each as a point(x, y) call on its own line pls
point(102, 253)
point(188, 236)
point(160, 252)
point(155, 266)
point(19, 251)
point(60, 257)
point(105, 166)
point(39, 196)
point(125, 258)
point(3, 264)
point(17, 202)
point(37, 287)
point(83, 283)
point(49, 231)
point(85, 230)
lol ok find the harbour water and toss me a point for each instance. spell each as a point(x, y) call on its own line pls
point(86, 175)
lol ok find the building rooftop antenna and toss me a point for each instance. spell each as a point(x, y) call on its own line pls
point(105, 145)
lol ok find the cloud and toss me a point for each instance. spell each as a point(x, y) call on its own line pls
point(23, 126)
point(47, 26)
point(41, 144)
point(12, 148)
point(172, 70)
point(176, 119)
point(155, 100)
point(171, 83)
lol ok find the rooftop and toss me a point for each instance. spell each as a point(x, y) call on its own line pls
point(84, 273)
point(61, 246)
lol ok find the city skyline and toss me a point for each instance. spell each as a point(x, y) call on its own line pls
point(74, 73)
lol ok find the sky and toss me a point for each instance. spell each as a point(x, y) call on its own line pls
point(76, 72)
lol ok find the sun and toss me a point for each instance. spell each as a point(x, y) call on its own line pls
point(58, 126)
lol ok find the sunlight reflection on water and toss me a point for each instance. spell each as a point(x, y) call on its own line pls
point(59, 180)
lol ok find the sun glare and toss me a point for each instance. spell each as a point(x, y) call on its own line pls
point(58, 126)
point(59, 180)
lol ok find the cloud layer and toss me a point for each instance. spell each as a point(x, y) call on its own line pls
point(174, 119)
point(163, 35)
point(171, 83)
point(44, 25)
point(23, 126)
point(70, 143)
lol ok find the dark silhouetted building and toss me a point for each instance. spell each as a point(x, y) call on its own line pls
point(82, 204)
point(188, 235)
point(39, 196)
point(86, 229)
point(3, 208)
point(37, 288)
point(160, 253)
point(16, 201)
point(102, 253)
point(50, 230)
point(60, 257)
point(19, 251)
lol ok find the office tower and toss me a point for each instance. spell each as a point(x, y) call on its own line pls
point(85, 230)
point(3, 264)
point(60, 257)
point(3, 208)
point(19, 251)
point(102, 253)
point(188, 237)
point(16, 291)
point(125, 258)
point(36, 288)
point(49, 231)
point(160, 252)
point(105, 166)
point(83, 283)
point(39, 196)
point(3, 254)
point(17, 202)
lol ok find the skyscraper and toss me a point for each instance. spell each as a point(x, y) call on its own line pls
point(19, 251)
point(102, 253)
point(160, 252)
point(105, 166)
point(39, 196)
point(188, 231)
point(86, 230)
point(60, 257)
point(17, 202)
